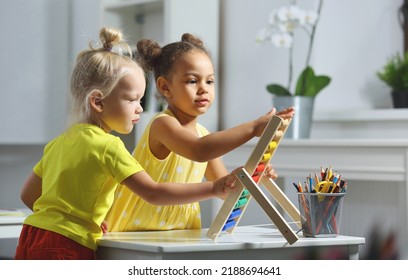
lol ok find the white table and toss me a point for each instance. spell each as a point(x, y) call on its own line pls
point(246, 242)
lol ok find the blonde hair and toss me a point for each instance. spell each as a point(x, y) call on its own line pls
point(99, 68)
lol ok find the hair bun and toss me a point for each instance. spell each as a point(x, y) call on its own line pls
point(148, 52)
point(110, 37)
point(187, 37)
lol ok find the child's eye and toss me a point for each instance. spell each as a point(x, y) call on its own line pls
point(191, 81)
point(210, 82)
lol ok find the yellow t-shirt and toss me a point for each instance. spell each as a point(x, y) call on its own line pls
point(129, 212)
point(80, 170)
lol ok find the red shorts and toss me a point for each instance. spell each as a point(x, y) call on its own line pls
point(39, 244)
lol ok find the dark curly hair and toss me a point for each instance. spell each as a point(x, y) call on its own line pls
point(160, 60)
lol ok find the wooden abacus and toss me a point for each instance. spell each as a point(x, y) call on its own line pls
point(235, 204)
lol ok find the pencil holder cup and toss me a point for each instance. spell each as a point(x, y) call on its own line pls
point(320, 213)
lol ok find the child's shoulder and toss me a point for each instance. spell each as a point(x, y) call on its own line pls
point(87, 134)
point(201, 129)
point(162, 115)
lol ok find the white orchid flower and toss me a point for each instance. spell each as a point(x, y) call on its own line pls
point(282, 40)
point(263, 35)
point(288, 26)
point(280, 31)
point(288, 13)
point(308, 18)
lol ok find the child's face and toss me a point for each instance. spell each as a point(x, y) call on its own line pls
point(122, 109)
point(191, 89)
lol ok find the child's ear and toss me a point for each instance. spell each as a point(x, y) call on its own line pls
point(163, 86)
point(95, 100)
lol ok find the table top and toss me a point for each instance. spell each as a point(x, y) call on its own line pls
point(244, 237)
point(10, 224)
point(12, 216)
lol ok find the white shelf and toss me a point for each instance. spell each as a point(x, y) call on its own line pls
point(362, 115)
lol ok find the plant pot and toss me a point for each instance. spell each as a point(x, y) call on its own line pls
point(301, 124)
point(400, 98)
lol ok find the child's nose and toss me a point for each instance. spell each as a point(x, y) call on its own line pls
point(203, 89)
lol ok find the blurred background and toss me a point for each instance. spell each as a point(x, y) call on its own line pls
point(353, 40)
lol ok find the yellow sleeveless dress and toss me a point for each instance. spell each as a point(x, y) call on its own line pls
point(130, 212)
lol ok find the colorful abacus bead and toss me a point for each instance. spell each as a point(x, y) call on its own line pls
point(259, 168)
point(255, 178)
point(235, 213)
point(241, 202)
point(266, 157)
point(272, 146)
point(244, 193)
point(229, 224)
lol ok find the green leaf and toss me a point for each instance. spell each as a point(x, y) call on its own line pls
point(277, 90)
point(310, 85)
point(395, 72)
point(319, 83)
point(305, 81)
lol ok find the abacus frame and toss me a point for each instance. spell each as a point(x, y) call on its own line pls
point(262, 154)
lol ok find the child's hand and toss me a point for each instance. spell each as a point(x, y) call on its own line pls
point(270, 172)
point(104, 227)
point(261, 122)
point(225, 184)
point(286, 113)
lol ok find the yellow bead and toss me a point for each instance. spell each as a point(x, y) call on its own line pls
point(266, 157)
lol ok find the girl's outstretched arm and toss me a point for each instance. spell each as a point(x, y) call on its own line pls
point(165, 193)
point(211, 146)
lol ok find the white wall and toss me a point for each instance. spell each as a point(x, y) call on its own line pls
point(353, 40)
point(34, 70)
point(34, 75)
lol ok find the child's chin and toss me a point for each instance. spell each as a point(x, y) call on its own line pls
point(125, 131)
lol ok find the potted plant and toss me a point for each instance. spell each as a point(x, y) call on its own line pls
point(395, 74)
point(280, 31)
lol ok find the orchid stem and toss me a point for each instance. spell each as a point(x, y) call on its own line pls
point(309, 53)
point(290, 67)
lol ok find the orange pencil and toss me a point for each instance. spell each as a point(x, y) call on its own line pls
point(300, 187)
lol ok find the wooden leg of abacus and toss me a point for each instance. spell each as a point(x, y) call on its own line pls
point(282, 200)
point(267, 206)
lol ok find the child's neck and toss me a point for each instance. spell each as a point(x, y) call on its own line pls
point(99, 123)
point(183, 118)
